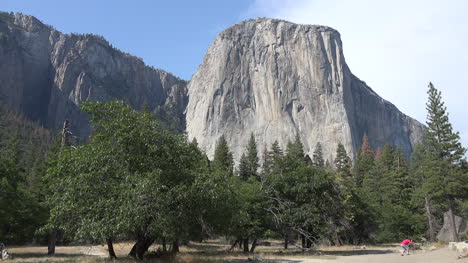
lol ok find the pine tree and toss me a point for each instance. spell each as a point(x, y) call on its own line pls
point(244, 172)
point(342, 162)
point(295, 149)
point(364, 162)
point(317, 158)
point(295, 155)
point(439, 135)
point(223, 160)
point(447, 152)
point(276, 149)
point(273, 158)
point(378, 154)
point(424, 170)
point(252, 156)
point(248, 164)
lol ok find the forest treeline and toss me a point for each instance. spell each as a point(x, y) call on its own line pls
point(136, 180)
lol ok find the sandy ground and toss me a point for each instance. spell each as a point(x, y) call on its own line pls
point(214, 252)
point(443, 255)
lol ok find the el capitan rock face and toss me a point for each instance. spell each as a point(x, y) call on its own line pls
point(276, 79)
point(46, 75)
point(268, 77)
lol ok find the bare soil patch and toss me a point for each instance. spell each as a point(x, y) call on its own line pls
point(215, 251)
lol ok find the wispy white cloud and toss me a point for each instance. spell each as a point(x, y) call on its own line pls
point(396, 46)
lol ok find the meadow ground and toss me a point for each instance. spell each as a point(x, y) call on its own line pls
point(215, 251)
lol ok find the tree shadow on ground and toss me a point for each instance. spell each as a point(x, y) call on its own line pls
point(43, 255)
point(279, 260)
point(356, 252)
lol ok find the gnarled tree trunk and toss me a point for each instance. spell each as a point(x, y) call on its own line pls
point(164, 247)
point(141, 246)
point(246, 245)
point(254, 245)
point(175, 246)
point(51, 243)
point(110, 248)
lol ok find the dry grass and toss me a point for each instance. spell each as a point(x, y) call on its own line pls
point(212, 251)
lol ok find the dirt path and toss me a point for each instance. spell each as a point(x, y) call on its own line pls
point(443, 255)
point(327, 255)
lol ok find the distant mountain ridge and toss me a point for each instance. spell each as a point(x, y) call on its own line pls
point(268, 77)
point(46, 75)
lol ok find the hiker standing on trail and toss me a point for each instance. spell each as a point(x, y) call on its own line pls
point(405, 245)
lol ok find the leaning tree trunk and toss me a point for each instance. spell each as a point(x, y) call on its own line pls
point(430, 218)
point(254, 245)
point(164, 247)
point(308, 243)
point(246, 245)
point(110, 248)
point(141, 246)
point(234, 245)
point(175, 246)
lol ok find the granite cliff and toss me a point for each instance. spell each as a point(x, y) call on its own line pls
point(268, 77)
point(276, 79)
point(46, 75)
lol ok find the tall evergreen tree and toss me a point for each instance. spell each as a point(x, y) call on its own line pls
point(446, 149)
point(244, 169)
point(252, 157)
point(317, 158)
point(364, 162)
point(223, 160)
point(295, 155)
point(439, 135)
point(342, 162)
point(273, 158)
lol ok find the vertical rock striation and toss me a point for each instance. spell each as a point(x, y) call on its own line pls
point(276, 79)
point(46, 75)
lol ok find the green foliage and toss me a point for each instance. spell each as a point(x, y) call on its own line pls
point(272, 160)
point(251, 218)
point(23, 145)
point(342, 162)
point(134, 179)
point(445, 149)
point(439, 135)
point(294, 153)
point(305, 200)
point(223, 161)
point(248, 164)
point(438, 164)
point(317, 158)
point(364, 162)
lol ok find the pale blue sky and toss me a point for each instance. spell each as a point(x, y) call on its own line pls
point(396, 46)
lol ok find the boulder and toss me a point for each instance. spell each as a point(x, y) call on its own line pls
point(4, 252)
point(444, 234)
point(462, 249)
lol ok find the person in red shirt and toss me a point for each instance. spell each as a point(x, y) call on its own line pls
point(405, 245)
